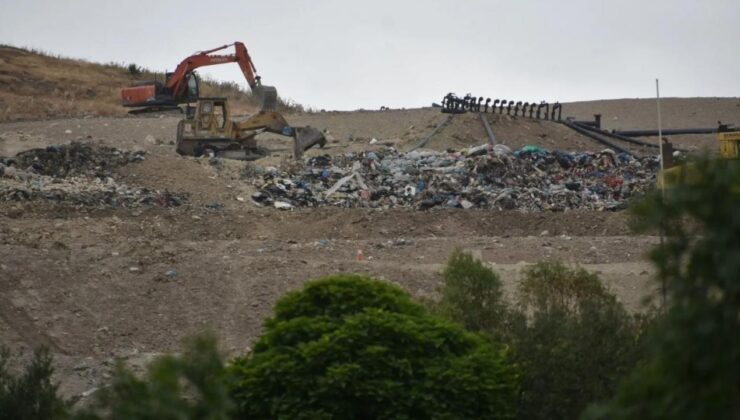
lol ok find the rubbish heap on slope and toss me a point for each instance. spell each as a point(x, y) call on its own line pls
point(79, 174)
point(489, 177)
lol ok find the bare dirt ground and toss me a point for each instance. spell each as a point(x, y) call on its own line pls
point(101, 284)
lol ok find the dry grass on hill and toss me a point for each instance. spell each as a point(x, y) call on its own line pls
point(37, 85)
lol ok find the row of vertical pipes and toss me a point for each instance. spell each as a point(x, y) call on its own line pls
point(453, 104)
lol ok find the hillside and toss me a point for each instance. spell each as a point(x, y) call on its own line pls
point(35, 85)
point(113, 246)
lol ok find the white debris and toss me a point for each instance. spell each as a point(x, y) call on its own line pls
point(282, 205)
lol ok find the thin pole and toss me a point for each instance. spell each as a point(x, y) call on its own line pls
point(660, 127)
point(663, 186)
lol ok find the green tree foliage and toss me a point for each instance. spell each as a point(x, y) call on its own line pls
point(30, 395)
point(134, 70)
point(471, 294)
point(352, 347)
point(574, 340)
point(693, 369)
point(191, 386)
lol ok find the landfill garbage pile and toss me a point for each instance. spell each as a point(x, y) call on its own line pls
point(488, 177)
point(74, 159)
point(79, 174)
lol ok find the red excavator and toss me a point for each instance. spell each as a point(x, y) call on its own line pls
point(181, 86)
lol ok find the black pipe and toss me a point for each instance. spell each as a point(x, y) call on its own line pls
point(493, 108)
point(501, 108)
point(459, 105)
point(466, 102)
point(516, 108)
point(557, 107)
point(583, 122)
point(623, 138)
point(539, 107)
point(596, 137)
point(531, 109)
point(488, 101)
point(666, 132)
point(524, 109)
point(508, 108)
point(477, 106)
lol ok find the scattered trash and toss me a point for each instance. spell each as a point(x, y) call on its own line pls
point(216, 206)
point(528, 179)
point(79, 174)
point(282, 205)
point(171, 273)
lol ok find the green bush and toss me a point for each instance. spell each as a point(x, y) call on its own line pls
point(693, 367)
point(571, 338)
point(191, 386)
point(574, 340)
point(351, 347)
point(30, 395)
point(134, 70)
point(471, 294)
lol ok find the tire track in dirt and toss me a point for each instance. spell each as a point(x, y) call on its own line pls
point(17, 319)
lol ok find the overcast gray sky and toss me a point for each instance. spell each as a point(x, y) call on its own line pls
point(342, 54)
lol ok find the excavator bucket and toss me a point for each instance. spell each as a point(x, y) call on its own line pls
point(267, 96)
point(306, 138)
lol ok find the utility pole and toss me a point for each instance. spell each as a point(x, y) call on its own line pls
point(662, 189)
point(660, 127)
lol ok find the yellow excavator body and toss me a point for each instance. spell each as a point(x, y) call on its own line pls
point(208, 129)
point(729, 148)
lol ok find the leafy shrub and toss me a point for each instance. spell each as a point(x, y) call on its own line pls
point(134, 70)
point(30, 395)
point(693, 367)
point(574, 340)
point(351, 347)
point(191, 386)
point(471, 294)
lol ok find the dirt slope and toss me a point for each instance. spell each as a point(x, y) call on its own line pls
point(99, 284)
point(34, 85)
point(93, 284)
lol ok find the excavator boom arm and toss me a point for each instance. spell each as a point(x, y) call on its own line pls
point(177, 82)
point(152, 96)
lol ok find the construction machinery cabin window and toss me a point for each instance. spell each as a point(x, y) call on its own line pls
point(212, 114)
point(193, 87)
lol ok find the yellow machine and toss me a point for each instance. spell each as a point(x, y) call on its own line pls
point(729, 148)
point(208, 129)
point(729, 145)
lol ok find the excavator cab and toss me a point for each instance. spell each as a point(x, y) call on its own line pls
point(192, 91)
point(192, 87)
